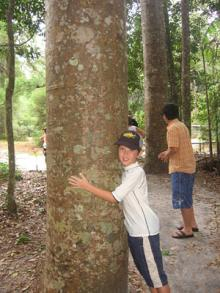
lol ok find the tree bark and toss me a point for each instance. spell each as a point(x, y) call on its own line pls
point(87, 110)
point(173, 95)
point(217, 137)
point(185, 72)
point(10, 199)
point(155, 81)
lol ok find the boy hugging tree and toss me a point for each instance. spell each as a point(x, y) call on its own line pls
point(141, 222)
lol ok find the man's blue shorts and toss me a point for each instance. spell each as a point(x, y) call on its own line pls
point(148, 259)
point(182, 188)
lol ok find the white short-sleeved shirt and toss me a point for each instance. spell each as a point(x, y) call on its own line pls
point(140, 220)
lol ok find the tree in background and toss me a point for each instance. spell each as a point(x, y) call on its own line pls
point(173, 94)
point(135, 62)
point(10, 200)
point(155, 83)
point(185, 68)
point(30, 100)
point(87, 110)
point(20, 18)
point(3, 73)
point(206, 79)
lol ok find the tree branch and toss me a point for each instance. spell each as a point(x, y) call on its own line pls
point(18, 45)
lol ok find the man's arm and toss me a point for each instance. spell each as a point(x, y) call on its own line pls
point(140, 131)
point(82, 183)
point(165, 155)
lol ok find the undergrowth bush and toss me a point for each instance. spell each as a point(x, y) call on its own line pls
point(4, 172)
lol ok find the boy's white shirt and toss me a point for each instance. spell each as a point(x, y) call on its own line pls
point(140, 220)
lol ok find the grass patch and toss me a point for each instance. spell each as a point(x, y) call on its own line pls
point(23, 239)
point(165, 252)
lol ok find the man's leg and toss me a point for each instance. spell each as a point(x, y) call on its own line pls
point(182, 187)
point(193, 222)
point(187, 215)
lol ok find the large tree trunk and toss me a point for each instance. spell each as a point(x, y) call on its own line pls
point(185, 73)
point(173, 94)
point(10, 200)
point(155, 84)
point(87, 110)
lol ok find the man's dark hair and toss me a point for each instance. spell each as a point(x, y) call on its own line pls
point(171, 111)
point(132, 122)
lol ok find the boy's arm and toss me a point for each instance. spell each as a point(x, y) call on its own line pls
point(82, 182)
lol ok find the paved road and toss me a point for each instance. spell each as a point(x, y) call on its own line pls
point(26, 162)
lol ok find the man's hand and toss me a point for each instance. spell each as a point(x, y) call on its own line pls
point(164, 156)
point(79, 182)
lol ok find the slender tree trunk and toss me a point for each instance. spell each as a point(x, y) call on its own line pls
point(218, 128)
point(10, 199)
point(87, 110)
point(185, 76)
point(155, 82)
point(173, 95)
point(217, 137)
point(207, 105)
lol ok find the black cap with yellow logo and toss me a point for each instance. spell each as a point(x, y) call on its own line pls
point(131, 140)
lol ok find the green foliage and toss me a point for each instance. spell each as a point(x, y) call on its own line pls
point(135, 62)
point(135, 50)
point(136, 106)
point(206, 83)
point(23, 238)
point(28, 17)
point(165, 252)
point(29, 113)
point(4, 172)
point(29, 101)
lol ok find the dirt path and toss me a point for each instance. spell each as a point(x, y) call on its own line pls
point(193, 264)
point(27, 156)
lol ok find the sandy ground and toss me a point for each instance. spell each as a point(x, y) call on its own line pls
point(193, 264)
point(27, 156)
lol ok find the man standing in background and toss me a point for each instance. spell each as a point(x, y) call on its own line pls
point(182, 167)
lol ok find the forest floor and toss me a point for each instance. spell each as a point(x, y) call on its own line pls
point(192, 264)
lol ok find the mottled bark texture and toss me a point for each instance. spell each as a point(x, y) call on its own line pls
point(10, 198)
point(185, 72)
point(173, 95)
point(155, 81)
point(87, 110)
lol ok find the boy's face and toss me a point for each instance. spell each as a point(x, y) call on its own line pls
point(127, 156)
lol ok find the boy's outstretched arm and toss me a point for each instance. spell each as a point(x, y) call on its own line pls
point(83, 183)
